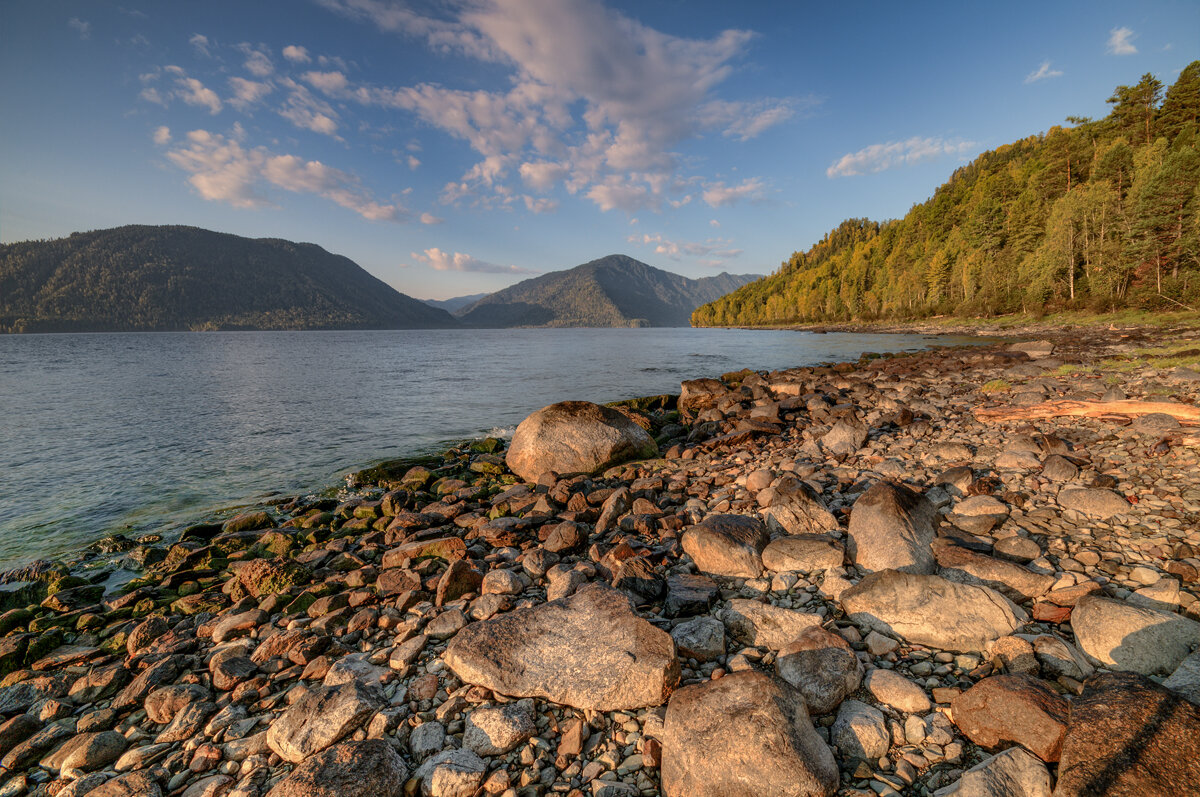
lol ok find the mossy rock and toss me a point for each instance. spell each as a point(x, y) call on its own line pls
point(301, 603)
point(42, 645)
point(665, 401)
point(487, 468)
point(89, 622)
point(393, 471)
point(65, 583)
point(488, 445)
point(14, 619)
point(737, 377)
point(275, 543)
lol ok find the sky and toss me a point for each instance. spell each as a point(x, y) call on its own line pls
point(453, 148)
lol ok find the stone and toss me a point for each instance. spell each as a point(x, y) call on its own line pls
point(262, 577)
point(892, 528)
point(893, 689)
point(1094, 502)
point(132, 784)
point(689, 594)
point(495, 731)
point(1057, 657)
point(822, 666)
point(163, 704)
point(1013, 709)
point(452, 773)
point(860, 732)
point(1013, 773)
point(426, 739)
point(1034, 348)
point(1017, 549)
point(700, 638)
point(144, 633)
point(1121, 636)
point(1185, 681)
point(1058, 468)
point(502, 582)
point(1011, 580)
point(575, 437)
point(929, 610)
point(87, 752)
point(803, 552)
point(727, 545)
point(320, 718)
point(1129, 736)
point(844, 438)
point(566, 536)
point(744, 735)
point(796, 508)
point(698, 395)
point(765, 625)
point(588, 651)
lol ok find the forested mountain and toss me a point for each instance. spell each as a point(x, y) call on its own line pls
point(456, 303)
point(614, 291)
point(1101, 214)
point(181, 278)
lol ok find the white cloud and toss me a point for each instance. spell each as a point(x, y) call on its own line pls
point(247, 92)
point(429, 218)
point(151, 94)
point(1120, 42)
point(258, 63)
point(162, 135)
point(332, 83)
point(413, 162)
point(1043, 72)
point(714, 223)
point(880, 157)
point(598, 101)
point(200, 42)
point(296, 54)
point(82, 27)
point(719, 248)
point(222, 170)
point(718, 194)
point(307, 111)
point(193, 92)
point(438, 260)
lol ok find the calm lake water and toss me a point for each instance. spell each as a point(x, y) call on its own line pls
point(144, 432)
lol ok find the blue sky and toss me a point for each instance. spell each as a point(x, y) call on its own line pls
point(457, 147)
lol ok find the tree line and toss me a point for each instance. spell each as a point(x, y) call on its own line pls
point(1096, 214)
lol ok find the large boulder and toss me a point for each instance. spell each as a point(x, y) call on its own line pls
point(1129, 736)
point(369, 768)
point(1121, 636)
point(1185, 681)
point(589, 651)
point(892, 528)
point(822, 666)
point(727, 545)
point(929, 610)
point(744, 735)
point(803, 552)
point(575, 437)
point(322, 717)
point(1013, 773)
point(698, 395)
point(766, 625)
point(1006, 709)
point(795, 507)
point(1094, 502)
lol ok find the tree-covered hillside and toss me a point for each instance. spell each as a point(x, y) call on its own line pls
point(180, 278)
point(1101, 214)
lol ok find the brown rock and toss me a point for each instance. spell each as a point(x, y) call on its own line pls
point(1013, 709)
point(575, 437)
point(353, 769)
point(727, 545)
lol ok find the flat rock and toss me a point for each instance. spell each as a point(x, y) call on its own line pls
point(87, 751)
point(322, 717)
point(452, 773)
point(575, 437)
point(796, 508)
point(689, 594)
point(822, 666)
point(1121, 636)
point(893, 689)
point(765, 625)
point(1129, 736)
point(1094, 502)
point(845, 437)
point(1013, 773)
point(1011, 580)
point(744, 735)
point(700, 638)
point(1004, 710)
point(727, 545)
point(803, 552)
point(369, 768)
point(1185, 681)
point(930, 610)
point(496, 730)
point(892, 528)
point(588, 651)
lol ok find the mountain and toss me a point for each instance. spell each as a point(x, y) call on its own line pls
point(614, 291)
point(455, 304)
point(154, 278)
point(1100, 215)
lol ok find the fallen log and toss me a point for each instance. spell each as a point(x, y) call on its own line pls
point(1184, 413)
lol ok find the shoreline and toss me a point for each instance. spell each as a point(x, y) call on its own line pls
point(212, 669)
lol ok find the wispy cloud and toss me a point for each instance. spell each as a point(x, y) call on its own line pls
point(247, 92)
point(718, 194)
point(720, 249)
point(162, 135)
point(296, 54)
point(193, 92)
point(82, 27)
point(199, 43)
point(222, 170)
point(880, 157)
point(438, 260)
point(429, 218)
point(1043, 72)
point(1120, 42)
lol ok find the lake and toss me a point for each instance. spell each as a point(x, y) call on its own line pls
point(144, 432)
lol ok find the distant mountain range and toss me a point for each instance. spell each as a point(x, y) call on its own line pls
point(161, 278)
point(455, 304)
point(614, 291)
point(144, 278)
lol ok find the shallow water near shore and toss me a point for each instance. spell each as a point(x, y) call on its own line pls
point(143, 432)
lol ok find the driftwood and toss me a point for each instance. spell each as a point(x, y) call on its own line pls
point(1185, 413)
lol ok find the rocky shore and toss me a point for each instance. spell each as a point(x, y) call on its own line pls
point(958, 572)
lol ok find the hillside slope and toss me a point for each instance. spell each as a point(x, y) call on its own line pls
point(1101, 215)
point(155, 278)
point(614, 291)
